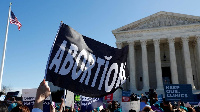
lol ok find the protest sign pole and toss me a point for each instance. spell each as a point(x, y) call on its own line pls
point(64, 98)
point(4, 48)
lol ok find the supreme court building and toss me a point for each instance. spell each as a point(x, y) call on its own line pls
point(164, 48)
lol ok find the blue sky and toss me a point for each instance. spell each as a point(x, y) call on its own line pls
point(28, 49)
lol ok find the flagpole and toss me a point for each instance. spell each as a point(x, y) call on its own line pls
point(4, 48)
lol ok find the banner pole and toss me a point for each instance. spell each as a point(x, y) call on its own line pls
point(4, 48)
point(64, 98)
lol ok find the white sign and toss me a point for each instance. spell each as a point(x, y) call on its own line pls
point(125, 106)
point(134, 105)
point(30, 94)
point(69, 99)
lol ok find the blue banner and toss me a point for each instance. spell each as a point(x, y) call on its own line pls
point(88, 103)
point(178, 92)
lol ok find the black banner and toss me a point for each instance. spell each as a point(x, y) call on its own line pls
point(85, 66)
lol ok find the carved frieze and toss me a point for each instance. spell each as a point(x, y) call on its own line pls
point(162, 21)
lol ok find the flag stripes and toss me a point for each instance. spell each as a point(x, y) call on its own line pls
point(14, 20)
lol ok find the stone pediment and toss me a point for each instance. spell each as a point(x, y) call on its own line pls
point(160, 19)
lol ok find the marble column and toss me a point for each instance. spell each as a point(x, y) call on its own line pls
point(198, 47)
point(188, 66)
point(117, 95)
point(198, 58)
point(132, 66)
point(173, 67)
point(158, 64)
point(145, 65)
point(119, 46)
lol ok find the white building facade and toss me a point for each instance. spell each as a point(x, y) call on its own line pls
point(164, 48)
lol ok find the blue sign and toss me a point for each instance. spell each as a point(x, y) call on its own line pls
point(196, 99)
point(178, 92)
point(88, 103)
point(46, 105)
point(126, 93)
point(160, 98)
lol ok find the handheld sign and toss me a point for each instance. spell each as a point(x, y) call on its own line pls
point(29, 95)
point(178, 92)
point(126, 96)
point(89, 104)
point(85, 66)
point(109, 98)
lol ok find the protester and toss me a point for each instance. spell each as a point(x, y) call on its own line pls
point(3, 108)
point(143, 103)
point(12, 105)
point(197, 108)
point(166, 106)
point(109, 106)
point(43, 92)
point(189, 107)
point(146, 109)
point(20, 108)
point(134, 97)
point(52, 108)
point(132, 110)
point(61, 105)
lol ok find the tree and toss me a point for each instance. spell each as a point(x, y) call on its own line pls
point(6, 89)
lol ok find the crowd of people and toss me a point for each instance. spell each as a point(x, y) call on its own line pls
point(148, 102)
point(166, 106)
point(15, 106)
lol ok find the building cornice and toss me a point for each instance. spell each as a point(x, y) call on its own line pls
point(153, 33)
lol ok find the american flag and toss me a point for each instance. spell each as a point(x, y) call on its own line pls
point(14, 20)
